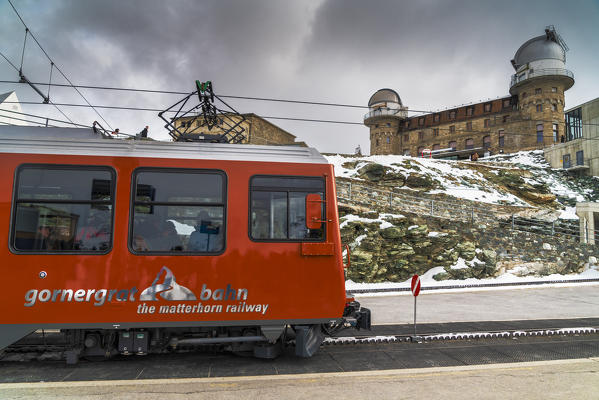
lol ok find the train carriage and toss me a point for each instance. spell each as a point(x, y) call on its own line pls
point(131, 246)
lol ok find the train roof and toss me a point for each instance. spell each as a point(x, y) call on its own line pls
point(83, 141)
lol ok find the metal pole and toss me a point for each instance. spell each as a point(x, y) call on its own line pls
point(415, 297)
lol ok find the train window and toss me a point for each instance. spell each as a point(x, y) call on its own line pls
point(178, 211)
point(278, 208)
point(63, 209)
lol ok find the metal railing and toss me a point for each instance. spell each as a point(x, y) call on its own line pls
point(373, 197)
point(517, 78)
point(387, 112)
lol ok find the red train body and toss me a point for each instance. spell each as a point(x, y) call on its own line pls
point(114, 284)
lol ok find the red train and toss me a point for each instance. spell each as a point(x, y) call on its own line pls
point(140, 246)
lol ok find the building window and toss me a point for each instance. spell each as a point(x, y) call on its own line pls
point(406, 137)
point(501, 138)
point(278, 208)
point(539, 107)
point(486, 142)
point(488, 107)
point(469, 111)
point(487, 123)
point(554, 89)
point(469, 144)
point(376, 125)
point(435, 132)
point(506, 119)
point(506, 103)
point(523, 95)
point(408, 123)
point(452, 129)
point(468, 126)
point(406, 152)
point(579, 158)
point(436, 146)
point(539, 133)
point(420, 121)
point(555, 132)
point(436, 117)
point(554, 107)
point(377, 142)
point(388, 124)
point(420, 135)
point(168, 202)
point(538, 91)
point(452, 114)
point(388, 140)
point(574, 124)
point(453, 145)
point(566, 161)
point(63, 209)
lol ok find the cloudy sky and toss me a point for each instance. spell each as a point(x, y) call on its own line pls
point(434, 53)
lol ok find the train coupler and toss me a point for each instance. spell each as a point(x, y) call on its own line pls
point(356, 316)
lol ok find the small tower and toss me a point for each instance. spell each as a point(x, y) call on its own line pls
point(539, 84)
point(384, 117)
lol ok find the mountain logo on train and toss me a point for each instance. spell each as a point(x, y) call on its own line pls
point(164, 287)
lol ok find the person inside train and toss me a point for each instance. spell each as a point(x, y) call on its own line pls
point(170, 240)
point(95, 234)
point(207, 236)
point(43, 238)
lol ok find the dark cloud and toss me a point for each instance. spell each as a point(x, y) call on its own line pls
point(435, 53)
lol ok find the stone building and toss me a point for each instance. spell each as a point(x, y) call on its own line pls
point(530, 117)
point(256, 130)
point(579, 151)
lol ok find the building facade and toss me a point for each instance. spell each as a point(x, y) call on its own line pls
point(530, 117)
point(255, 130)
point(579, 151)
point(10, 110)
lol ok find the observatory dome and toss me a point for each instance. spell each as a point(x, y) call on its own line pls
point(539, 48)
point(384, 96)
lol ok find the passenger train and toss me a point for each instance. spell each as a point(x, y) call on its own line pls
point(133, 247)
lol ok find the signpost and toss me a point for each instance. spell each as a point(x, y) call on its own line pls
point(415, 286)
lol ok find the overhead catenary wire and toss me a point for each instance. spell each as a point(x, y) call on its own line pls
point(43, 117)
point(53, 64)
point(276, 117)
point(156, 91)
point(16, 69)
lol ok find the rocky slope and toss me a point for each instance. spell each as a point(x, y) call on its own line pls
point(391, 246)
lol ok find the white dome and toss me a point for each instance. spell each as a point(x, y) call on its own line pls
point(539, 48)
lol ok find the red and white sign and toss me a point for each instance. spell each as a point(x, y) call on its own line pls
point(415, 285)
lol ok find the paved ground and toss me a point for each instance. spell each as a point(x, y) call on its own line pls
point(541, 380)
point(330, 358)
point(489, 305)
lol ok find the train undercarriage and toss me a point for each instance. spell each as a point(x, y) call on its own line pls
point(260, 341)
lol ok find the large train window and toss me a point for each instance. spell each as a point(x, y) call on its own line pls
point(278, 208)
point(178, 211)
point(63, 209)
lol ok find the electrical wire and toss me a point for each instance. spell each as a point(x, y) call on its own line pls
point(16, 69)
point(56, 66)
point(43, 117)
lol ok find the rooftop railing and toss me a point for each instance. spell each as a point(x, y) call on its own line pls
point(517, 78)
point(387, 112)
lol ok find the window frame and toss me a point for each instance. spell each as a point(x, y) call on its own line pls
point(133, 203)
point(15, 201)
point(278, 189)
